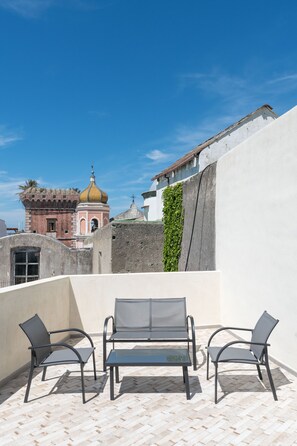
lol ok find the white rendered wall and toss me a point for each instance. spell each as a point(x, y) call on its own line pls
point(84, 302)
point(94, 295)
point(256, 232)
point(150, 212)
point(49, 298)
point(239, 134)
point(209, 155)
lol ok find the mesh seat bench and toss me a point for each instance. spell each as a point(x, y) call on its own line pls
point(150, 320)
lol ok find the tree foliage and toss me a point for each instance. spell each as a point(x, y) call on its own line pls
point(173, 219)
point(28, 183)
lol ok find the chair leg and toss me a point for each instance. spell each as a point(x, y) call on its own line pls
point(186, 381)
point(111, 383)
point(270, 378)
point(216, 382)
point(104, 354)
point(259, 372)
point(82, 382)
point(94, 365)
point(194, 355)
point(43, 373)
point(117, 374)
point(29, 382)
point(207, 366)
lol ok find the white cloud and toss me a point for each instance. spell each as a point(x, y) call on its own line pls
point(220, 84)
point(9, 187)
point(26, 8)
point(8, 137)
point(142, 179)
point(157, 156)
point(35, 8)
point(289, 77)
point(14, 217)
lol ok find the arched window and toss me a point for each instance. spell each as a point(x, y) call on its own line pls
point(82, 226)
point(94, 224)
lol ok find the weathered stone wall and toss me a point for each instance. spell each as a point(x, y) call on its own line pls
point(137, 247)
point(198, 243)
point(128, 247)
point(55, 257)
point(101, 239)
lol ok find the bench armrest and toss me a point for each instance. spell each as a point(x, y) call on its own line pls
point(190, 321)
point(106, 326)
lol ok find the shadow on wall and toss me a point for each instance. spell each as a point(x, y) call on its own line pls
point(198, 242)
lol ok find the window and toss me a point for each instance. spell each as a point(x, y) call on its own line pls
point(51, 225)
point(94, 224)
point(82, 226)
point(26, 265)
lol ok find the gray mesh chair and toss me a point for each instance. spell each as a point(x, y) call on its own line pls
point(44, 354)
point(256, 353)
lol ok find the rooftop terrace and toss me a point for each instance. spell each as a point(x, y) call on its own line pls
point(151, 407)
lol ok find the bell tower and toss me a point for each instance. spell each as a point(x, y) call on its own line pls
point(92, 211)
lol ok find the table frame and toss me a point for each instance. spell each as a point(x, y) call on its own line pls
point(154, 363)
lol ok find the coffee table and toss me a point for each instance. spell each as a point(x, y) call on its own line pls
point(153, 357)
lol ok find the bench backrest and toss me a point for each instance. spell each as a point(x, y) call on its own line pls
point(154, 314)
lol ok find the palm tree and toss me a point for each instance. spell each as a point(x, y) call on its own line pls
point(28, 184)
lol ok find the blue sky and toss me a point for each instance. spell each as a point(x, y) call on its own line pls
point(131, 85)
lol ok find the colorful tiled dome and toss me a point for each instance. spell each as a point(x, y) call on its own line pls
point(93, 194)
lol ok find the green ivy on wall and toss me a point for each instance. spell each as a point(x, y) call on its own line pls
point(173, 220)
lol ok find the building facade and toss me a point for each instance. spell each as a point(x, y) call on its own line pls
point(65, 214)
point(92, 211)
point(202, 156)
point(51, 212)
point(27, 257)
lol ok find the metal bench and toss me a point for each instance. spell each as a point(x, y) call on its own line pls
point(150, 320)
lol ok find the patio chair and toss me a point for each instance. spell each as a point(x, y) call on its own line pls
point(44, 354)
point(256, 353)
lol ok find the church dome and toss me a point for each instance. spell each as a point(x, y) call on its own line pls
point(93, 194)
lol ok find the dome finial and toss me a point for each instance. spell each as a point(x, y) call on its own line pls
point(92, 173)
point(93, 194)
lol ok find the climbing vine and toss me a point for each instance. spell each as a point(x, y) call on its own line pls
point(173, 219)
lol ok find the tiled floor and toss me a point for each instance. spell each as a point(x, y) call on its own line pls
point(151, 407)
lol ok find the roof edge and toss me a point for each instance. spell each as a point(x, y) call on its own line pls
point(197, 149)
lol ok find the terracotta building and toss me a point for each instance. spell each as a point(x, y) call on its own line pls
point(51, 212)
point(65, 214)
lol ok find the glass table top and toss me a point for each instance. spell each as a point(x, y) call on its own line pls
point(149, 356)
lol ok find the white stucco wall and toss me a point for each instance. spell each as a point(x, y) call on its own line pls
point(209, 155)
point(49, 298)
point(256, 232)
point(84, 302)
point(239, 134)
point(94, 295)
